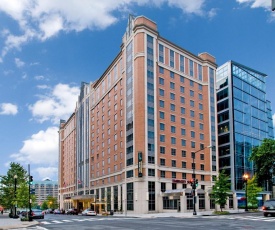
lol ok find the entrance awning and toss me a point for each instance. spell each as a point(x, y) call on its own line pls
point(83, 197)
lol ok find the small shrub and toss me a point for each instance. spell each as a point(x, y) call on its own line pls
point(221, 212)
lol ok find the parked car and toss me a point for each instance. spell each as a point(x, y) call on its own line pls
point(269, 208)
point(56, 211)
point(72, 211)
point(37, 214)
point(89, 212)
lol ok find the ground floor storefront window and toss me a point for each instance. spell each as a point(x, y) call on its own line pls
point(170, 204)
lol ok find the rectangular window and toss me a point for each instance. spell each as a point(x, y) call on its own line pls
point(173, 163)
point(174, 175)
point(172, 118)
point(162, 175)
point(192, 93)
point(202, 156)
point(182, 79)
point(162, 150)
point(172, 107)
point(183, 142)
point(172, 96)
point(172, 85)
point(172, 75)
point(161, 81)
point(183, 164)
point(173, 129)
point(181, 63)
point(183, 176)
point(192, 103)
point(172, 58)
point(173, 140)
point(162, 162)
point(192, 124)
point(201, 126)
point(192, 113)
point(192, 134)
point(202, 167)
point(161, 115)
point(182, 100)
point(161, 70)
point(182, 89)
point(201, 136)
point(161, 53)
point(200, 72)
point(163, 186)
point(191, 68)
point(182, 121)
point(173, 152)
point(191, 83)
point(161, 103)
point(161, 92)
point(182, 110)
point(200, 106)
point(162, 138)
point(162, 126)
point(151, 172)
point(183, 153)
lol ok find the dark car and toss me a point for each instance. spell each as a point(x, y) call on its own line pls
point(37, 214)
point(269, 208)
point(72, 211)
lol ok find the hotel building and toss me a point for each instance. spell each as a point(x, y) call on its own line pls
point(142, 130)
point(244, 120)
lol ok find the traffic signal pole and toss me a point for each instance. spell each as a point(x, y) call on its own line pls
point(30, 204)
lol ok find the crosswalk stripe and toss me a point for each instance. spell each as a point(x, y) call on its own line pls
point(45, 222)
point(57, 222)
point(67, 220)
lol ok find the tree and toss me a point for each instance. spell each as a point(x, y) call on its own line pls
point(52, 202)
point(252, 192)
point(263, 157)
point(44, 205)
point(221, 189)
point(7, 192)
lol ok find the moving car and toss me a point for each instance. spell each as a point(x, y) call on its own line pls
point(269, 208)
point(72, 211)
point(37, 214)
point(89, 212)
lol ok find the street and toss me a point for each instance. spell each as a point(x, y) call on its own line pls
point(223, 222)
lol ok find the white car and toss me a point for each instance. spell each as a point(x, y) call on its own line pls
point(89, 212)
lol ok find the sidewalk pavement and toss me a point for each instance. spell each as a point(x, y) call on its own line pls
point(10, 223)
point(175, 214)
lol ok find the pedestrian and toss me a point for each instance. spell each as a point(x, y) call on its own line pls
point(2, 211)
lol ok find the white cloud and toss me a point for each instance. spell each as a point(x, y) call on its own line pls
point(41, 20)
point(41, 148)
point(42, 87)
point(257, 3)
point(46, 172)
point(8, 109)
point(18, 62)
point(39, 77)
point(58, 104)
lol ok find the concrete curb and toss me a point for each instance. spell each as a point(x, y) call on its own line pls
point(22, 225)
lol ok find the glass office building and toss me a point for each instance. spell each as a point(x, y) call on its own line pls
point(244, 118)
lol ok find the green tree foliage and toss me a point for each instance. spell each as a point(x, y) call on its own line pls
point(263, 157)
point(7, 193)
point(252, 192)
point(52, 202)
point(221, 189)
point(44, 205)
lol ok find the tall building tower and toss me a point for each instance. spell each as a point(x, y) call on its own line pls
point(143, 128)
point(244, 118)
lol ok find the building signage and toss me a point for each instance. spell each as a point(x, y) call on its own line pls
point(139, 164)
point(181, 181)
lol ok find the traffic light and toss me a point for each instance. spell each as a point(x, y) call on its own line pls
point(30, 180)
point(197, 183)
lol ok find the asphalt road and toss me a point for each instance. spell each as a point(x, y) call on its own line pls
point(227, 222)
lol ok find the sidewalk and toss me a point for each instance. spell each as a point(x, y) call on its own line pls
point(174, 214)
point(10, 223)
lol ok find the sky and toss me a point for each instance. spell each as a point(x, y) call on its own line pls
point(47, 48)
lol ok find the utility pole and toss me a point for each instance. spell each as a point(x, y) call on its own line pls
point(30, 204)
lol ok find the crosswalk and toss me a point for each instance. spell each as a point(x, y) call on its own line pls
point(240, 217)
point(80, 220)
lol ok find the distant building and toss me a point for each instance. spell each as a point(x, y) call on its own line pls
point(244, 120)
point(45, 188)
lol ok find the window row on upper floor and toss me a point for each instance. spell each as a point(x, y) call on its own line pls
point(180, 62)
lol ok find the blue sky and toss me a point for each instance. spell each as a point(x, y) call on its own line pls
point(47, 48)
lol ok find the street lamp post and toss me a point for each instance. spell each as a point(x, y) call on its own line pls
point(194, 179)
point(245, 178)
point(15, 182)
